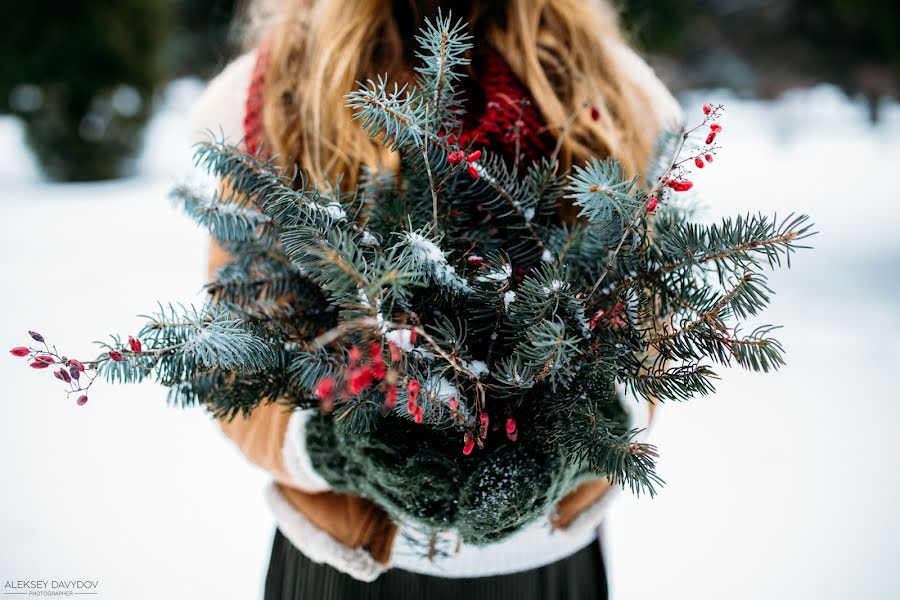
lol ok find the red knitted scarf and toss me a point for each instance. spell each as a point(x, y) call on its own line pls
point(499, 116)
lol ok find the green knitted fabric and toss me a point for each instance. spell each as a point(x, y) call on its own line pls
point(422, 479)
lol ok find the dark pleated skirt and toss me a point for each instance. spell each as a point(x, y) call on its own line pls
point(292, 576)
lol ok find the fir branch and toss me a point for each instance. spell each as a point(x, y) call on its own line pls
point(675, 383)
point(395, 115)
point(442, 48)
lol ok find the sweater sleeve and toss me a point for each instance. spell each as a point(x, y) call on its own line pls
point(220, 108)
point(273, 435)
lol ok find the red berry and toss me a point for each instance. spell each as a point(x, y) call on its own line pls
point(390, 396)
point(355, 354)
point(711, 138)
point(375, 353)
point(456, 157)
point(470, 444)
point(20, 351)
point(473, 172)
point(115, 355)
point(671, 183)
point(595, 113)
point(473, 156)
point(58, 375)
point(707, 108)
point(683, 186)
point(39, 364)
point(454, 404)
point(651, 204)
point(82, 400)
point(513, 436)
point(64, 375)
point(483, 419)
point(77, 364)
point(325, 388)
point(74, 372)
point(451, 139)
point(474, 260)
point(715, 128)
point(134, 344)
point(412, 390)
point(417, 416)
point(44, 358)
point(699, 162)
point(379, 370)
point(413, 336)
point(510, 425)
point(708, 158)
point(36, 336)
point(360, 379)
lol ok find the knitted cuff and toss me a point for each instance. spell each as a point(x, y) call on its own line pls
point(296, 456)
point(317, 545)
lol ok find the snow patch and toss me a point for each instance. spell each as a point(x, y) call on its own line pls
point(498, 274)
point(478, 368)
point(333, 210)
point(429, 254)
point(555, 286)
point(445, 389)
point(508, 298)
point(401, 337)
point(583, 322)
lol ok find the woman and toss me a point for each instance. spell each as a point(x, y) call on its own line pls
point(535, 66)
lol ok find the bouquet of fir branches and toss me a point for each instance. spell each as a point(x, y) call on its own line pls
point(468, 370)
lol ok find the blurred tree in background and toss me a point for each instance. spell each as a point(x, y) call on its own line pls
point(763, 48)
point(83, 75)
point(200, 41)
point(82, 79)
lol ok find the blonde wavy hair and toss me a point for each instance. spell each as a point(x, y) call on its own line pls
point(559, 49)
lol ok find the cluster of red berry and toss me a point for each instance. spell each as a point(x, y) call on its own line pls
point(458, 156)
point(77, 375)
point(360, 375)
point(469, 439)
point(675, 179)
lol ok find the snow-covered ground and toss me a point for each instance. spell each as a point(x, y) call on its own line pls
point(781, 486)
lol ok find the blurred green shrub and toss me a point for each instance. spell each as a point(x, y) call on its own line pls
point(82, 76)
point(763, 48)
